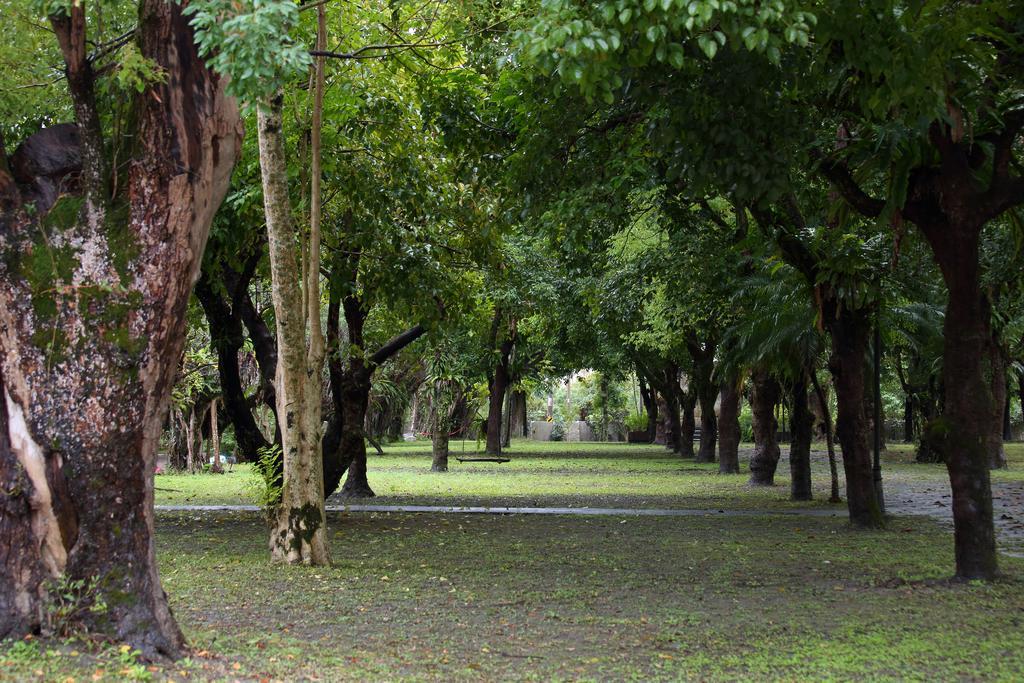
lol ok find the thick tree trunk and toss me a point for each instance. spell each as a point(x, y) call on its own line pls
point(89, 348)
point(439, 451)
point(354, 400)
point(729, 428)
point(765, 394)
point(963, 433)
point(440, 427)
point(802, 432)
point(299, 530)
point(849, 331)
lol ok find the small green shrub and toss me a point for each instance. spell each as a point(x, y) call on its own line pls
point(70, 600)
point(265, 485)
point(636, 422)
point(558, 431)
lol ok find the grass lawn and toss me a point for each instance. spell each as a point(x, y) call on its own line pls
point(574, 474)
point(429, 597)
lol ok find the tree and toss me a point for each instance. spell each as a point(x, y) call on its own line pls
point(950, 185)
point(96, 277)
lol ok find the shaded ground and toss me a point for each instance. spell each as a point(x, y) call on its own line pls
point(427, 597)
point(935, 500)
point(616, 475)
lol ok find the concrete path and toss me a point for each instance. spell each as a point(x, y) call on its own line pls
point(612, 512)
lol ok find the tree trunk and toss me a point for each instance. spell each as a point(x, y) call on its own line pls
point(651, 408)
point(298, 532)
point(685, 425)
point(708, 424)
point(520, 425)
point(849, 330)
point(227, 339)
point(215, 466)
point(89, 350)
point(440, 426)
point(497, 385)
point(439, 451)
point(908, 420)
point(962, 435)
point(1000, 407)
point(178, 456)
point(662, 431)
point(354, 401)
point(765, 394)
point(506, 437)
point(801, 434)
point(729, 427)
point(193, 444)
point(829, 441)
point(701, 383)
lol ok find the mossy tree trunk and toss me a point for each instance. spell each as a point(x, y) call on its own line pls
point(91, 338)
point(298, 530)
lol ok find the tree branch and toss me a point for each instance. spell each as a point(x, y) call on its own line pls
point(396, 344)
point(838, 173)
point(71, 36)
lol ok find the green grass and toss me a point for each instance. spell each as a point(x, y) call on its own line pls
point(434, 597)
point(574, 474)
point(512, 597)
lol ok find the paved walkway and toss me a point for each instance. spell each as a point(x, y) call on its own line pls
point(926, 500)
point(935, 500)
point(612, 512)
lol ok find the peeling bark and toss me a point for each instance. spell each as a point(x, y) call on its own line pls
point(299, 530)
point(85, 349)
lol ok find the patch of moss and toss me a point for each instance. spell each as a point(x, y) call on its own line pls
point(63, 214)
point(121, 241)
point(304, 522)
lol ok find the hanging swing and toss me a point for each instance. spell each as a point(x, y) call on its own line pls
point(474, 458)
point(479, 458)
